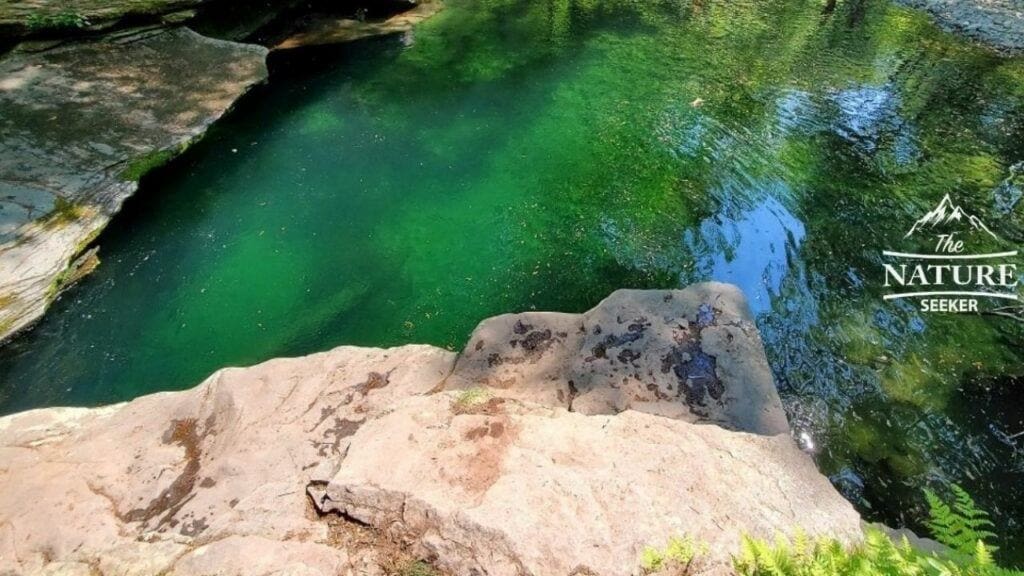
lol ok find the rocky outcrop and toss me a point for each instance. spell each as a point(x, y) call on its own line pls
point(20, 18)
point(996, 23)
point(317, 31)
point(548, 447)
point(79, 123)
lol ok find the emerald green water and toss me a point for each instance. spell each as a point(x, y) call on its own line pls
point(539, 154)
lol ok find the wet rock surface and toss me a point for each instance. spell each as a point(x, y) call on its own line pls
point(79, 123)
point(997, 23)
point(286, 467)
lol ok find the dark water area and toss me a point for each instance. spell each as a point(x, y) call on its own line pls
point(518, 155)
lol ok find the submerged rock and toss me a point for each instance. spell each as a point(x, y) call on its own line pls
point(331, 463)
point(80, 122)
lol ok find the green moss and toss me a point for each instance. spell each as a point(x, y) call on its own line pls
point(79, 267)
point(66, 20)
point(64, 212)
point(680, 556)
point(58, 283)
point(139, 167)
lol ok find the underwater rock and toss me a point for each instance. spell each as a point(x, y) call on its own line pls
point(331, 463)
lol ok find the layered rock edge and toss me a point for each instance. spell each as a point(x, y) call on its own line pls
point(80, 122)
point(554, 444)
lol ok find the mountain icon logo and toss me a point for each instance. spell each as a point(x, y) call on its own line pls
point(948, 213)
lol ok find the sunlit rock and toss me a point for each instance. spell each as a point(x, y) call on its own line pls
point(492, 463)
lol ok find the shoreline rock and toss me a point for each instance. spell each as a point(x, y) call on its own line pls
point(273, 468)
point(80, 123)
point(333, 30)
point(998, 24)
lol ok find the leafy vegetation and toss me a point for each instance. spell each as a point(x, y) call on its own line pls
point(140, 166)
point(66, 20)
point(679, 556)
point(959, 525)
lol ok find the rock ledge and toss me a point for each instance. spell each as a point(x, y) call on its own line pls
point(556, 444)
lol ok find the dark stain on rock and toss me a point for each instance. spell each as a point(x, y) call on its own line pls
point(487, 429)
point(534, 344)
point(479, 345)
point(208, 483)
point(184, 433)
point(628, 355)
point(706, 315)
point(194, 527)
point(634, 332)
point(521, 328)
point(693, 368)
point(639, 325)
point(374, 381)
point(495, 359)
point(653, 388)
point(325, 413)
point(698, 380)
point(331, 442)
point(573, 393)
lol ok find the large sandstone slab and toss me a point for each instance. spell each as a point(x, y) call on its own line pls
point(211, 477)
point(78, 124)
point(519, 489)
point(285, 467)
